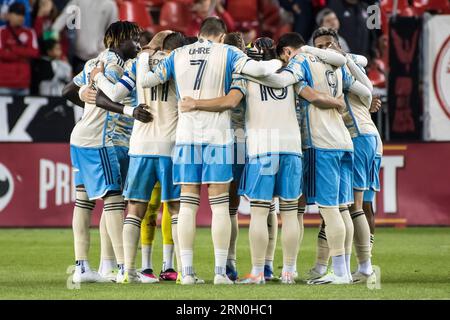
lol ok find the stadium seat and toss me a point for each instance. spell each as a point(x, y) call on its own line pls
point(439, 6)
point(376, 73)
point(387, 5)
point(136, 12)
point(243, 10)
point(173, 16)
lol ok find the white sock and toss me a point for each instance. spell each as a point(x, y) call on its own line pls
point(167, 256)
point(339, 266)
point(269, 263)
point(146, 252)
point(365, 267)
point(220, 256)
point(320, 268)
point(187, 259)
point(347, 263)
point(82, 266)
point(289, 269)
point(257, 270)
point(107, 265)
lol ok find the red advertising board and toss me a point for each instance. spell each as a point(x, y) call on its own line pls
point(36, 186)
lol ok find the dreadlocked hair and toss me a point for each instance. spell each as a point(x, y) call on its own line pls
point(120, 31)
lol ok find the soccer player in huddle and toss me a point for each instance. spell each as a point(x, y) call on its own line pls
point(150, 155)
point(367, 157)
point(203, 140)
point(274, 165)
point(95, 161)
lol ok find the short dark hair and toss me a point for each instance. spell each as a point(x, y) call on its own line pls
point(47, 45)
point(213, 26)
point(17, 8)
point(290, 39)
point(191, 40)
point(234, 39)
point(322, 31)
point(173, 41)
point(322, 14)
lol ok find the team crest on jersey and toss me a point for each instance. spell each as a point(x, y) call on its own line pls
point(441, 77)
point(23, 37)
point(6, 186)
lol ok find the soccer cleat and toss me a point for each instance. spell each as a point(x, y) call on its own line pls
point(147, 276)
point(168, 275)
point(222, 279)
point(287, 278)
point(130, 277)
point(268, 273)
point(313, 275)
point(188, 280)
point(110, 276)
point(359, 277)
point(330, 278)
point(250, 279)
point(231, 273)
point(88, 276)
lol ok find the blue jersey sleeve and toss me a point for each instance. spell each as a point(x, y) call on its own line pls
point(240, 84)
point(80, 79)
point(347, 78)
point(129, 76)
point(165, 70)
point(299, 67)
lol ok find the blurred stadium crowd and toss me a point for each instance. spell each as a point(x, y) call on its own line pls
point(43, 43)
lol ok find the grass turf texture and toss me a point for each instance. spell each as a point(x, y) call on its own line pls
point(414, 264)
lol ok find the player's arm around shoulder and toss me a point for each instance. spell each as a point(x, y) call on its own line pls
point(230, 101)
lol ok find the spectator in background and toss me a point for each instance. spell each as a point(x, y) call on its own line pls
point(18, 45)
point(51, 72)
point(208, 8)
point(352, 15)
point(302, 11)
point(327, 18)
point(43, 15)
point(4, 8)
point(95, 17)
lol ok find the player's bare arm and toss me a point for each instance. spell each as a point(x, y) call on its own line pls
point(230, 101)
point(139, 113)
point(322, 100)
point(70, 92)
point(375, 106)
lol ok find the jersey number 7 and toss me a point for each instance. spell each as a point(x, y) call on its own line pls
point(198, 79)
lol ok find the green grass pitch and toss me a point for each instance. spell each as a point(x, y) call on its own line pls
point(414, 264)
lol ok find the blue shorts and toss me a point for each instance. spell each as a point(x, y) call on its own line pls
point(202, 164)
point(143, 174)
point(369, 195)
point(124, 160)
point(365, 163)
point(97, 169)
point(276, 175)
point(239, 161)
point(328, 178)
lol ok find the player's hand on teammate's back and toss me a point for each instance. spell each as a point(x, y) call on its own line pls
point(375, 105)
point(100, 68)
point(88, 95)
point(186, 104)
point(139, 113)
point(343, 106)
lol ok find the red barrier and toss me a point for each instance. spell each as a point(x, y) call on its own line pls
point(36, 186)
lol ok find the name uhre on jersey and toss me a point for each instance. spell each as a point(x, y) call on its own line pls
point(200, 50)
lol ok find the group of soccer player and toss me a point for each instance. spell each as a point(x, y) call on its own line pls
point(262, 121)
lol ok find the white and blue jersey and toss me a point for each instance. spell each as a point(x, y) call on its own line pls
point(273, 143)
point(94, 159)
point(152, 143)
point(204, 140)
point(328, 159)
point(366, 141)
